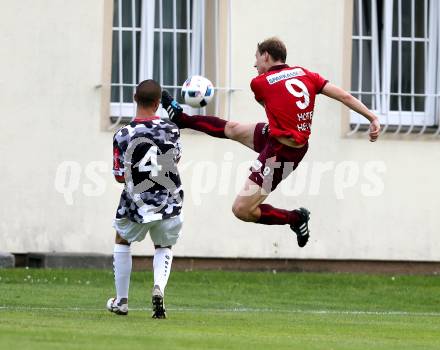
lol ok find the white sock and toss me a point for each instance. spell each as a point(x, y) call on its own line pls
point(122, 268)
point(163, 257)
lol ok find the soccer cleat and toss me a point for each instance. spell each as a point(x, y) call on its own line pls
point(173, 109)
point(120, 308)
point(157, 302)
point(302, 228)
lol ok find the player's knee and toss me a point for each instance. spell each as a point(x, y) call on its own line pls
point(120, 240)
point(156, 246)
point(242, 212)
point(232, 130)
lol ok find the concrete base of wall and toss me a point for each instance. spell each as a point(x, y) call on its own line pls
point(67, 260)
point(142, 263)
point(6, 260)
point(296, 265)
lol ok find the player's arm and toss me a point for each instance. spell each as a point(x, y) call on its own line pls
point(118, 167)
point(353, 103)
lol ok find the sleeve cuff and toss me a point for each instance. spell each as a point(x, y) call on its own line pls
point(322, 87)
point(119, 172)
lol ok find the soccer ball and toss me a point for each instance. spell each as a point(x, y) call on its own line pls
point(197, 91)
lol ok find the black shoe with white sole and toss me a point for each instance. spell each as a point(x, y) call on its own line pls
point(302, 228)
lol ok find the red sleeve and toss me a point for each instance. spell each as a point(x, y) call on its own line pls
point(318, 81)
point(257, 89)
point(118, 161)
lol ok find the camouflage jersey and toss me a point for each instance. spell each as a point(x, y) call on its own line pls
point(145, 154)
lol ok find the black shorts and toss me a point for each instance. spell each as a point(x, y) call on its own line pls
point(275, 161)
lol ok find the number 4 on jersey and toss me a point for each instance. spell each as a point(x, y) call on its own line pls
point(151, 157)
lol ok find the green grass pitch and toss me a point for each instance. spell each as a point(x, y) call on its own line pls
point(65, 309)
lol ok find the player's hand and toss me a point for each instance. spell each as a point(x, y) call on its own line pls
point(374, 130)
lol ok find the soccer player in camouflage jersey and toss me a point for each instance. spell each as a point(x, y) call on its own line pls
point(145, 156)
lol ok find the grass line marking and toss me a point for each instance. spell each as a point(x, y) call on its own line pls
point(234, 310)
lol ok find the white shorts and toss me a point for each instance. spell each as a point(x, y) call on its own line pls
point(163, 232)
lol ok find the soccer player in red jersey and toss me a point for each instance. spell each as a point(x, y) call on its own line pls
point(288, 96)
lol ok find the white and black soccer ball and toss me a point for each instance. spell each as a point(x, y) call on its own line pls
point(197, 91)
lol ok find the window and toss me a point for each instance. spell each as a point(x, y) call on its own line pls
point(159, 39)
point(395, 62)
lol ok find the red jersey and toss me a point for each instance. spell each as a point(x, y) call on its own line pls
point(288, 94)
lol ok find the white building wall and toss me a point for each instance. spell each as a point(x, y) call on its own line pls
point(50, 71)
point(50, 66)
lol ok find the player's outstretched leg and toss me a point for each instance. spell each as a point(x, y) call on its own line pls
point(122, 264)
point(163, 258)
point(210, 125)
point(213, 126)
point(248, 206)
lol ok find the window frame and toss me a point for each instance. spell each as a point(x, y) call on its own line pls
point(195, 49)
point(381, 93)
